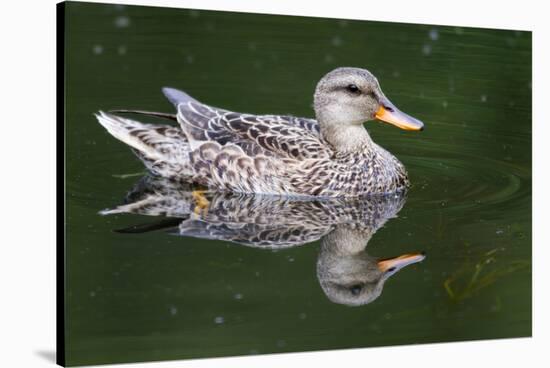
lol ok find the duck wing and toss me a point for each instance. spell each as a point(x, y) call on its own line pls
point(284, 137)
point(273, 236)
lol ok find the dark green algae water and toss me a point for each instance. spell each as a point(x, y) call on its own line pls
point(156, 296)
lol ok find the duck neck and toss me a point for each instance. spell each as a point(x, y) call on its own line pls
point(346, 240)
point(350, 138)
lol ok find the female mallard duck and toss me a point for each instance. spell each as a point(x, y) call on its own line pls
point(273, 154)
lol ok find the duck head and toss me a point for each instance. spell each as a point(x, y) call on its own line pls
point(348, 97)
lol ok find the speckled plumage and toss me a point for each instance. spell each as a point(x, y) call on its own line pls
point(273, 154)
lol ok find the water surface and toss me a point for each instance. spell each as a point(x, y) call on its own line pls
point(155, 295)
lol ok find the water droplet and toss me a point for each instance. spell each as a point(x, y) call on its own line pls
point(451, 84)
point(500, 232)
point(122, 21)
point(329, 58)
point(445, 104)
point(336, 41)
point(281, 343)
point(189, 59)
point(427, 49)
point(97, 49)
point(121, 50)
point(434, 34)
point(302, 315)
point(194, 13)
point(219, 320)
point(483, 98)
point(173, 310)
point(290, 259)
point(252, 46)
point(395, 74)
point(238, 296)
point(92, 294)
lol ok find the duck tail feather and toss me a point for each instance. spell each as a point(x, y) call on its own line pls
point(177, 97)
point(122, 128)
point(162, 115)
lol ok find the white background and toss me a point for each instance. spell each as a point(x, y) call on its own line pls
point(27, 184)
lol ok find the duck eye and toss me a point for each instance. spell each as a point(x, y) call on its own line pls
point(391, 269)
point(353, 88)
point(355, 289)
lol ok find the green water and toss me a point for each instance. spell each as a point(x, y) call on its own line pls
point(156, 296)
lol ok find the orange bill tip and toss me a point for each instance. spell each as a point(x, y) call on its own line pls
point(400, 262)
point(392, 115)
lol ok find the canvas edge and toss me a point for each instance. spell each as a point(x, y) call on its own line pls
point(60, 187)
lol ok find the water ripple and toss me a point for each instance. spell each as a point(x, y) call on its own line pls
point(469, 182)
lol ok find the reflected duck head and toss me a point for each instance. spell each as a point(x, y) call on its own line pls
point(349, 275)
point(364, 281)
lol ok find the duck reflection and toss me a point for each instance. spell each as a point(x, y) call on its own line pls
point(346, 272)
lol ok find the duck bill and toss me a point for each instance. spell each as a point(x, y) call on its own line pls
point(399, 262)
point(390, 114)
